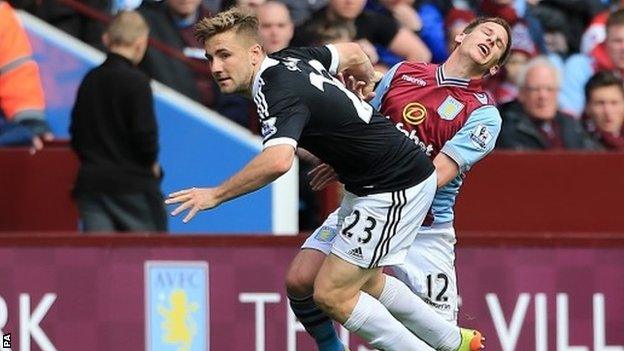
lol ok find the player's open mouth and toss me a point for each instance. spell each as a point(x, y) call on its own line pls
point(223, 80)
point(485, 50)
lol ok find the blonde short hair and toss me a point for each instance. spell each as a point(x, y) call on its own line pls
point(242, 20)
point(126, 28)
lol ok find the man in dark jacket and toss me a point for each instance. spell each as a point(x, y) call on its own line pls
point(114, 132)
point(533, 121)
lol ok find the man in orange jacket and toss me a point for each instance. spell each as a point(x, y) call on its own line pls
point(21, 94)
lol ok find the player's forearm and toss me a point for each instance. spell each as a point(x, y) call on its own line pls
point(446, 169)
point(262, 170)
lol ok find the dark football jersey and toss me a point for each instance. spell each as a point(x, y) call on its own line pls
point(300, 103)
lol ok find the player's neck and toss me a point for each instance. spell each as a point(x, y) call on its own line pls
point(458, 67)
point(254, 76)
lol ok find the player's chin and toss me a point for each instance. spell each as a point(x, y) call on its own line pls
point(227, 88)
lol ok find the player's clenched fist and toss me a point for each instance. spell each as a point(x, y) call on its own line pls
point(195, 199)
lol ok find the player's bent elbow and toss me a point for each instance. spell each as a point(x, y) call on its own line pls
point(282, 164)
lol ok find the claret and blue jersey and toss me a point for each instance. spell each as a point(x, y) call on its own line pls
point(440, 114)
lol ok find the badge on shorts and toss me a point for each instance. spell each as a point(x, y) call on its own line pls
point(450, 108)
point(326, 234)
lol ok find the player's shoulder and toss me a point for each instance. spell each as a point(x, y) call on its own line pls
point(273, 72)
point(480, 98)
point(300, 53)
point(416, 67)
point(412, 72)
point(486, 112)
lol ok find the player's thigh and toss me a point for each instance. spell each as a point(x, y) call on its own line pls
point(302, 272)
point(380, 228)
point(305, 266)
point(341, 279)
point(429, 270)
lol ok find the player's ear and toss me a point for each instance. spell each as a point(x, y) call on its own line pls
point(256, 51)
point(494, 69)
point(460, 37)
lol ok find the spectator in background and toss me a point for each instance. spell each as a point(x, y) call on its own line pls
point(22, 119)
point(605, 110)
point(533, 121)
point(371, 29)
point(276, 30)
point(70, 20)
point(455, 23)
point(573, 17)
point(115, 135)
point(172, 23)
point(504, 86)
point(580, 67)
point(330, 32)
point(302, 10)
point(276, 27)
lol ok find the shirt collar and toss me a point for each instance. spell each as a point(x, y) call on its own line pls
point(443, 80)
point(266, 63)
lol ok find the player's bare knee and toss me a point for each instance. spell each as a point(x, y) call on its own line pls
point(299, 283)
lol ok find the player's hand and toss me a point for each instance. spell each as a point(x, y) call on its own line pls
point(193, 199)
point(360, 88)
point(322, 175)
point(368, 90)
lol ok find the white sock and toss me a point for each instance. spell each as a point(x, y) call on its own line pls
point(419, 317)
point(375, 324)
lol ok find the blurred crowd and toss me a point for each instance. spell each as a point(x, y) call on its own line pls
point(561, 87)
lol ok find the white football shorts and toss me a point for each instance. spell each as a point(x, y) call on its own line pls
point(375, 230)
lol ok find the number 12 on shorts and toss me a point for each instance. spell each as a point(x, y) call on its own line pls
point(431, 285)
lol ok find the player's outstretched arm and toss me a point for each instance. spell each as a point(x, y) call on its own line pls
point(269, 165)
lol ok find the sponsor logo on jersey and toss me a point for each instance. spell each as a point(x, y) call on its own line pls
point(268, 128)
point(481, 136)
point(414, 113)
point(414, 80)
point(450, 108)
point(326, 234)
point(428, 149)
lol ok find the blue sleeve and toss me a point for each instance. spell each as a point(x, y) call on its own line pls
point(475, 139)
point(576, 72)
point(432, 32)
point(383, 86)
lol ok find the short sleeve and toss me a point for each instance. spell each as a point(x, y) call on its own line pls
point(475, 139)
point(327, 55)
point(282, 115)
point(383, 86)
